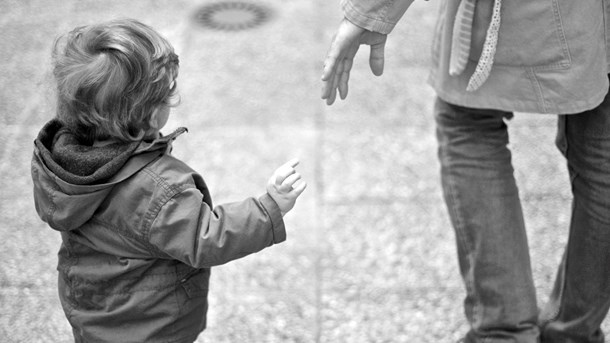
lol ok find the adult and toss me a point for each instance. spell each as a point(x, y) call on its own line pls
point(490, 59)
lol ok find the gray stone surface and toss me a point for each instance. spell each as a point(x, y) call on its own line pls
point(370, 255)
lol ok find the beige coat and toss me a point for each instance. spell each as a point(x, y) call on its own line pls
point(551, 55)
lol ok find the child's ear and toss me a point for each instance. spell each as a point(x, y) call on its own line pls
point(153, 120)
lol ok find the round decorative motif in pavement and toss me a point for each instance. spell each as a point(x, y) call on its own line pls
point(232, 16)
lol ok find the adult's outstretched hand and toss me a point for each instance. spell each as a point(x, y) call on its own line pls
point(340, 57)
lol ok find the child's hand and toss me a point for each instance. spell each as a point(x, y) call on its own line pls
point(281, 186)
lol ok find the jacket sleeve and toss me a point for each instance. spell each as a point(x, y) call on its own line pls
point(186, 229)
point(375, 15)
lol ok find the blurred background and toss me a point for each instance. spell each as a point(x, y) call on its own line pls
point(370, 255)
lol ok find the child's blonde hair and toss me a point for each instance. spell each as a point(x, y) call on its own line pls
point(111, 77)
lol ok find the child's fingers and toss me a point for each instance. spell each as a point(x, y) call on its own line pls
point(298, 189)
point(291, 163)
point(289, 181)
point(281, 175)
point(285, 170)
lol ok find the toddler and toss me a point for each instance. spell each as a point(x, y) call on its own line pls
point(139, 232)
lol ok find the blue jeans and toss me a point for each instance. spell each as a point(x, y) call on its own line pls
point(485, 210)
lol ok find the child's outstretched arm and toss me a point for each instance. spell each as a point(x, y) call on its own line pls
point(283, 187)
point(186, 228)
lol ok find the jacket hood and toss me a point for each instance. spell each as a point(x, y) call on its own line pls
point(72, 179)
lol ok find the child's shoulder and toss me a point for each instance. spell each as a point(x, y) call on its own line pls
point(171, 171)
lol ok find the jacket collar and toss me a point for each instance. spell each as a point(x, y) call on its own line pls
point(163, 142)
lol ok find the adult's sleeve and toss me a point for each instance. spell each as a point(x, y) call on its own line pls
point(186, 229)
point(375, 15)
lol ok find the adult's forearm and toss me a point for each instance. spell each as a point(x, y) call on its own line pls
point(375, 15)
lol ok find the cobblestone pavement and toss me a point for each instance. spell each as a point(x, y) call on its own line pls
point(370, 254)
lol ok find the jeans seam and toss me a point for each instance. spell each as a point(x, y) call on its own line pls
point(565, 148)
point(463, 241)
point(565, 266)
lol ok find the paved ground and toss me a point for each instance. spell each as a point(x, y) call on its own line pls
point(370, 255)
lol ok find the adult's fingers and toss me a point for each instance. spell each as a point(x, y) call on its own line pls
point(338, 48)
point(346, 34)
point(334, 61)
point(333, 55)
point(348, 62)
point(332, 90)
point(327, 87)
point(336, 78)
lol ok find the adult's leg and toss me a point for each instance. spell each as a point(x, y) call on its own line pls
point(485, 210)
point(581, 296)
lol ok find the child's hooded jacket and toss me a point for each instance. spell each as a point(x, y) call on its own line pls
point(138, 236)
